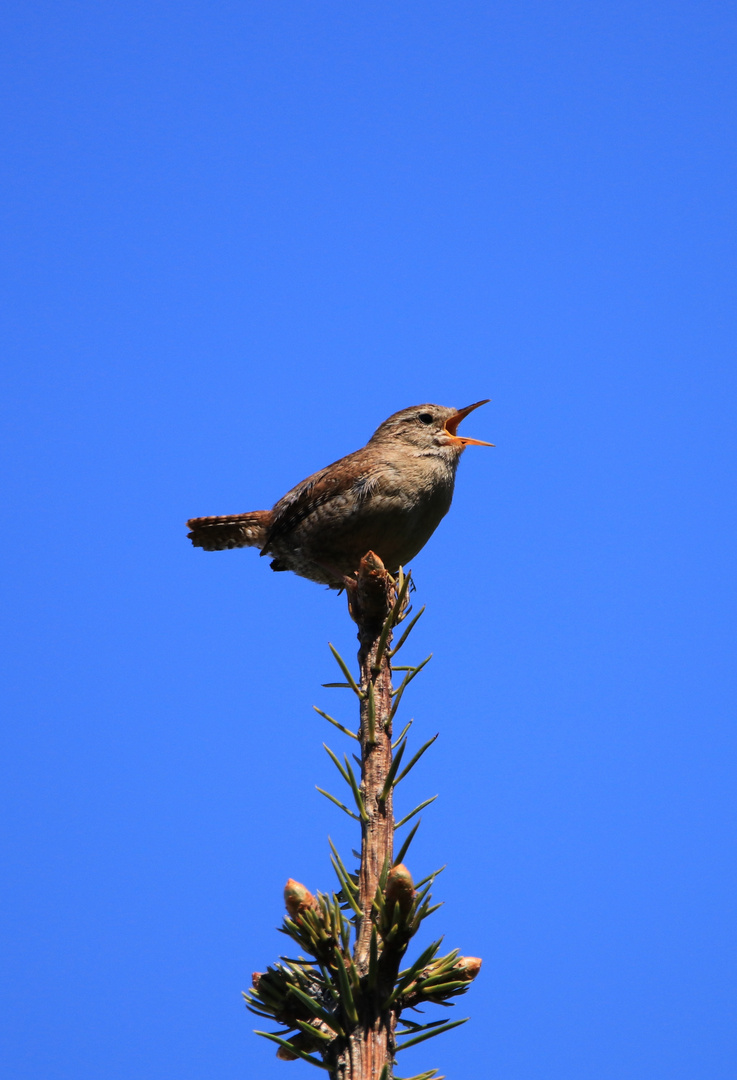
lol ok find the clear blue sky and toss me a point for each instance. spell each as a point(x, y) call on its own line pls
point(237, 236)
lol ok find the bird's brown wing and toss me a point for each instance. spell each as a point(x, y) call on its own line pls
point(355, 471)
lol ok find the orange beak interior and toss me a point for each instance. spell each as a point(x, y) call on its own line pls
point(451, 425)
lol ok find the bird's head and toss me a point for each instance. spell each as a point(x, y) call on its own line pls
point(427, 427)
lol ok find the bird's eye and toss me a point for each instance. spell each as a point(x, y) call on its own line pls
point(425, 418)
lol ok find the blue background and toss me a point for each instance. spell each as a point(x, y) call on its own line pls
point(236, 237)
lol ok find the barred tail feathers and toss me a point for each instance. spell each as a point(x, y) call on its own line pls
point(230, 530)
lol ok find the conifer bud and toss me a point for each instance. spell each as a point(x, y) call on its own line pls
point(256, 979)
point(400, 888)
point(297, 898)
point(468, 967)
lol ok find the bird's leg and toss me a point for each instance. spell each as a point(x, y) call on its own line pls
point(340, 580)
point(351, 589)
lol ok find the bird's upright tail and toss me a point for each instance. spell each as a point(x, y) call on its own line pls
point(230, 531)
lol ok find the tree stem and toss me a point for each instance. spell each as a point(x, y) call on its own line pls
point(371, 1046)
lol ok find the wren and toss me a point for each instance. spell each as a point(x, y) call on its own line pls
point(388, 497)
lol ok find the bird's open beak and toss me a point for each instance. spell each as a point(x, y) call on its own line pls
point(451, 425)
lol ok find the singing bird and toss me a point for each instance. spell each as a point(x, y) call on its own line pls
point(388, 497)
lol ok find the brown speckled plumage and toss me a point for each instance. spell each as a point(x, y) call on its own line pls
point(387, 497)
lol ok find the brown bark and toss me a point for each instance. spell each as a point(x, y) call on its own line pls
point(370, 1047)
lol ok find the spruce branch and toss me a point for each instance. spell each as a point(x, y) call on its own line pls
point(340, 1009)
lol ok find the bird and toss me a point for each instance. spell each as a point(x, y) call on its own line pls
point(388, 497)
